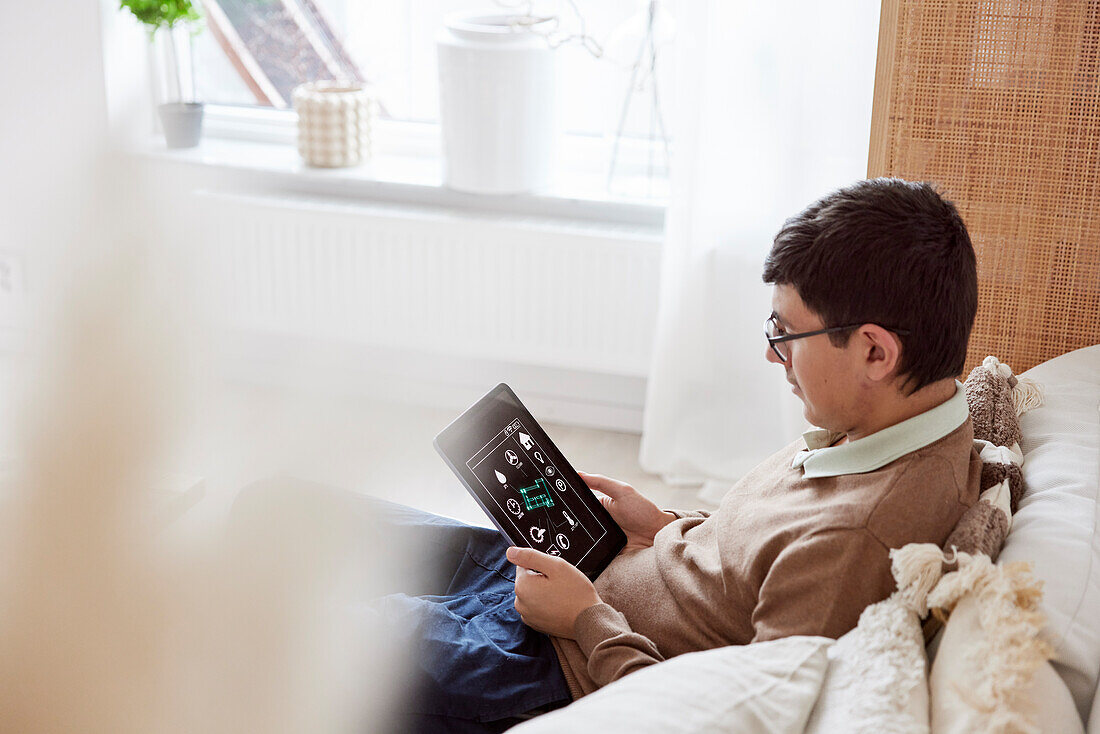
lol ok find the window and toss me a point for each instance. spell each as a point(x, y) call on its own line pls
point(270, 47)
point(255, 51)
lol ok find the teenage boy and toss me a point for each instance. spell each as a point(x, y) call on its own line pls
point(874, 296)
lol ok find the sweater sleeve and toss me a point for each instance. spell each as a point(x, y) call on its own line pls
point(820, 585)
point(612, 648)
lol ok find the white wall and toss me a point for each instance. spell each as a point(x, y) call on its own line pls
point(60, 183)
point(53, 130)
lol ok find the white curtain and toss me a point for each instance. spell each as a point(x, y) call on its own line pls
point(773, 110)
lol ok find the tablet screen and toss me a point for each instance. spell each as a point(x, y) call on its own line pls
point(526, 485)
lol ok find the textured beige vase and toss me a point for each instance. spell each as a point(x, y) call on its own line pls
point(334, 123)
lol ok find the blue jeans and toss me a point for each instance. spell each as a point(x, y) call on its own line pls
point(477, 665)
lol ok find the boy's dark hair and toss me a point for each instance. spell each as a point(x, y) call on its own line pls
point(888, 252)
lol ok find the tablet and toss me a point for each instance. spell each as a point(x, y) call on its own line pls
point(525, 485)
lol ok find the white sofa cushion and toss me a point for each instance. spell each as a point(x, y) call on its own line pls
point(763, 688)
point(1056, 525)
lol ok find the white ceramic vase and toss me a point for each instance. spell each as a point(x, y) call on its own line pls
point(334, 123)
point(497, 104)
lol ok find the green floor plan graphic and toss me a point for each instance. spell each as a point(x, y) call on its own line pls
point(539, 505)
point(538, 495)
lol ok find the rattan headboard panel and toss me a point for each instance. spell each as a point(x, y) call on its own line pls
point(998, 102)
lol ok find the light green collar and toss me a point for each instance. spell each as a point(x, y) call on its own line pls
point(821, 459)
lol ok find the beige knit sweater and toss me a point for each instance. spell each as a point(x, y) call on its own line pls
point(782, 555)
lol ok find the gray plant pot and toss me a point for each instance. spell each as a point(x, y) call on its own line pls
point(182, 123)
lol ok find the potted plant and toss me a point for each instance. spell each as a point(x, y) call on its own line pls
point(171, 24)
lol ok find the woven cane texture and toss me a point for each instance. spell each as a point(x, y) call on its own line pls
point(998, 102)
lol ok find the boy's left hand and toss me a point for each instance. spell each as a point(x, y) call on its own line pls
point(550, 600)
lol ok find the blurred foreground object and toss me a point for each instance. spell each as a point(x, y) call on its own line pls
point(111, 621)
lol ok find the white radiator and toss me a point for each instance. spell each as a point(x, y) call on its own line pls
point(508, 289)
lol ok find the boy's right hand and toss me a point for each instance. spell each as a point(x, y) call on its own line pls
point(639, 518)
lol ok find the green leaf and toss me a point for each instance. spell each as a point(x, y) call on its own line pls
point(161, 13)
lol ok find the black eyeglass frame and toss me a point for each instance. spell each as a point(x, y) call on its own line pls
point(775, 340)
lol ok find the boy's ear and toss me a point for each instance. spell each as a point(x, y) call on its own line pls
point(881, 351)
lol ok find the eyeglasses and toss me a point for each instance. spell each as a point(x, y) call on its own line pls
point(776, 335)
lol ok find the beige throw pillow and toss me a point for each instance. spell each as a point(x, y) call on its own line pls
point(959, 692)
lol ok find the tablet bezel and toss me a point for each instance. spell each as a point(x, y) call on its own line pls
point(604, 551)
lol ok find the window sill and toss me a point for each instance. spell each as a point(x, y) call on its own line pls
point(402, 177)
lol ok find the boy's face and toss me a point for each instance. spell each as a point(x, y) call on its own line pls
point(826, 378)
